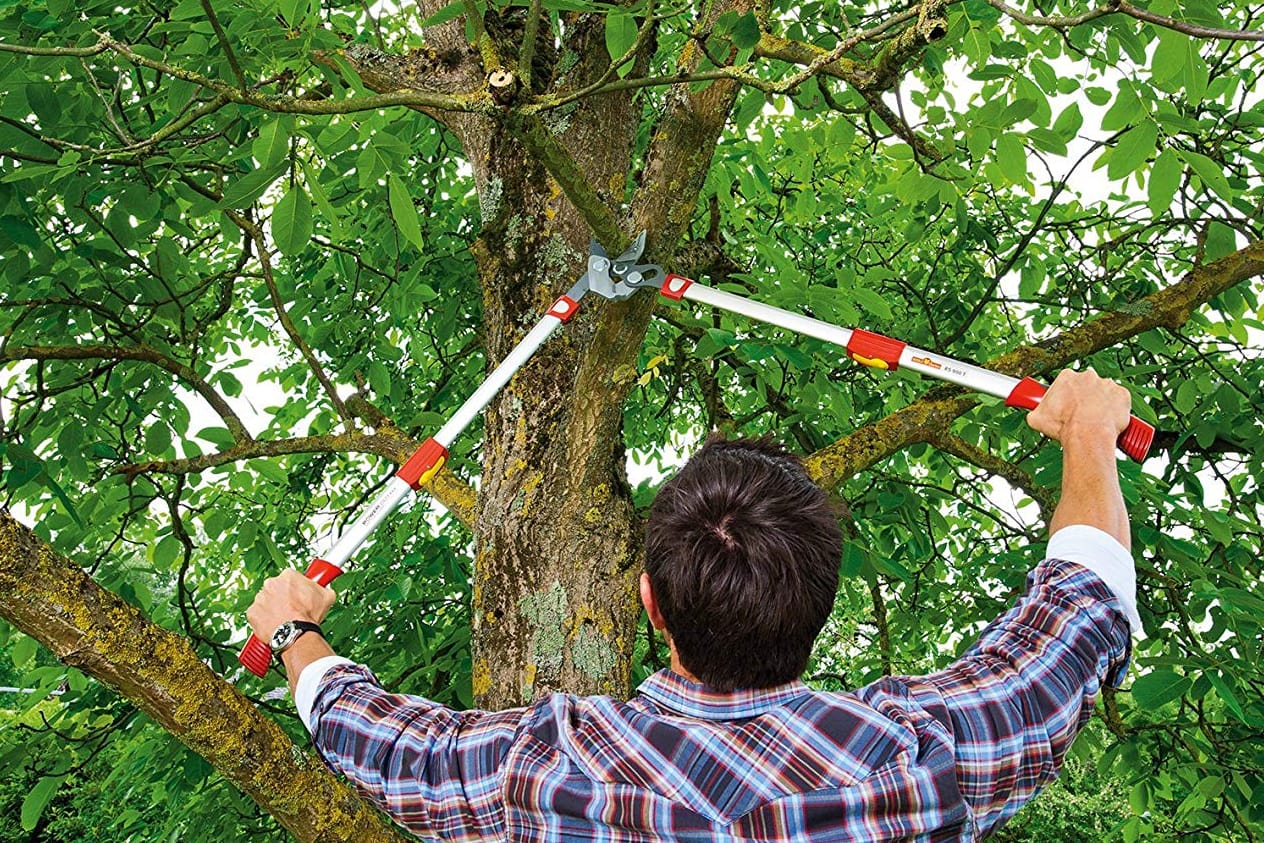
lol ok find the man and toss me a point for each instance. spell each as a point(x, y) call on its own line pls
point(742, 557)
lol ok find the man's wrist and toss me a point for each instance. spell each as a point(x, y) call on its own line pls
point(1089, 436)
point(307, 649)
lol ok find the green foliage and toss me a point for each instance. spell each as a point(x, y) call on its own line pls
point(1081, 170)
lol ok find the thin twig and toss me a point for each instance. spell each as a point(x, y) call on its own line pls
point(256, 234)
point(223, 42)
point(1118, 7)
point(144, 354)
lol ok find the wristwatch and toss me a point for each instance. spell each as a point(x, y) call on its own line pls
point(289, 632)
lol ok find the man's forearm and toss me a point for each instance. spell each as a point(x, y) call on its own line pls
point(307, 649)
point(1090, 486)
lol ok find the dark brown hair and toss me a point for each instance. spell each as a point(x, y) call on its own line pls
point(742, 552)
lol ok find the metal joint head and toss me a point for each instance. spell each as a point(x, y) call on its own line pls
point(619, 278)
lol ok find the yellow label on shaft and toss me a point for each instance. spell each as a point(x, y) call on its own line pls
point(429, 473)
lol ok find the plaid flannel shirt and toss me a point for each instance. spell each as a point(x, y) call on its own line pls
point(947, 756)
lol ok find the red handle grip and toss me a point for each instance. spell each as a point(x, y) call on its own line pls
point(1134, 441)
point(257, 655)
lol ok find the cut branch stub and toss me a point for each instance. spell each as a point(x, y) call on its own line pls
point(503, 85)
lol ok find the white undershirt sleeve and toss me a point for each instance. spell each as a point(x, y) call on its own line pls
point(309, 681)
point(1102, 554)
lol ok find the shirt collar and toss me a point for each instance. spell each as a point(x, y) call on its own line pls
point(693, 699)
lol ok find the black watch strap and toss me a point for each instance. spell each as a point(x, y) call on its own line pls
point(303, 627)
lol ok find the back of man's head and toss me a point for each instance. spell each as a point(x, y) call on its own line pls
point(742, 552)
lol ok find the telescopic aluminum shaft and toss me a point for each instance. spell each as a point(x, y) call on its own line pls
point(881, 352)
point(423, 465)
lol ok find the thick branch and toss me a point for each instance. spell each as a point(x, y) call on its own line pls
point(1169, 307)
point(410, 96)
point(57, 603)
point(566, 172)
point(446, 487)
point(455, 73)
point(145, 354)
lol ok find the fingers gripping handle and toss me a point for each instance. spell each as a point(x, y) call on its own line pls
point(256, 656)
point(1134, 441)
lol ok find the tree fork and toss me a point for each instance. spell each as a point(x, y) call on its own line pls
point(54, 601)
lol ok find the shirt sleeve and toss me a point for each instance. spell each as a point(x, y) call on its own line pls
point(309, 681)
point(433, 769)
point(1102, 554)
point(1015, 701)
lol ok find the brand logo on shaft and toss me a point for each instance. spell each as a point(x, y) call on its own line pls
point(928, 361)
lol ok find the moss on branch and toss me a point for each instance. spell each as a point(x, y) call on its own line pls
point(54, 601)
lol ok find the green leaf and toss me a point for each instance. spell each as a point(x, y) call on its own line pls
point(404, 212)
point(273, 143)
point(379, 379)
point(1158, 687)
point(1068, 124)
point(292, 221)
point(1170, 56)
point(620, 36)
point(321, 199)
point(872, 301)
point(295, 11)
point(745, 32)
point(452, 11)
point(23, 651)
point(1210, 172)
point(218, 436)
point(1097, 96)
point(167, 551)
point(1127, 110)
point(1012, 157)
point(853, 560)
point(1165, 178)
point(34, 803)
point(1221, 241)
point(1225, 691)
point(61, 495)
point(245, 190)
point(1133, 150)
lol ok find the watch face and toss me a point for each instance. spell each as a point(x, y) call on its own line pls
point(284, 635)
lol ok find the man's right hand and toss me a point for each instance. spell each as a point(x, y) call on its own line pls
point(1082, 405)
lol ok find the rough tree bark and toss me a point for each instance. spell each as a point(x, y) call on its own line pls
point(53, 600)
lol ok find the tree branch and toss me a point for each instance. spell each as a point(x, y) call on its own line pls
point(1169, 307)
point(222, 36)
point(410, 96)
point(448, 489)
point(566, 172)
point(1045, 499)
point(255, 232)
point(57, 603)
point(451, 75)
point(1118, 7)
point(144, 354)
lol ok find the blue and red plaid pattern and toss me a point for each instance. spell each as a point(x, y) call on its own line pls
point(948, 756)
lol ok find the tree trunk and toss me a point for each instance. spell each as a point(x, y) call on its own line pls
point(557, 558)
